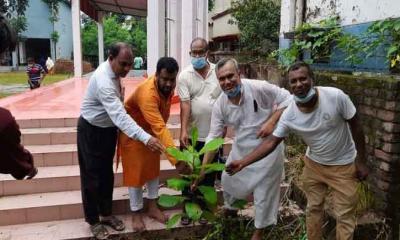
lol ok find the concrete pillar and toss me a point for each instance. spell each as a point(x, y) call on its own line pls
point(14, 57)
point(155, 33)
point(100, 36)
point(173, 38)
point(194, 24)
point(76, 37)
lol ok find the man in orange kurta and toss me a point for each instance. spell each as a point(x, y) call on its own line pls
point(150, 107)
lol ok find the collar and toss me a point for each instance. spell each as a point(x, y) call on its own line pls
point(109, 70)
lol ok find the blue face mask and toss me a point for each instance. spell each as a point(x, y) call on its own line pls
point(234, 92)
point(199, 62)
point(311, 93)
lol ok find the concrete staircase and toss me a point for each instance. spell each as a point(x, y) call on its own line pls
point(49, 206)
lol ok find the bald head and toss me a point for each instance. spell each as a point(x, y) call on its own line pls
point(120, 58)
point(199, 43)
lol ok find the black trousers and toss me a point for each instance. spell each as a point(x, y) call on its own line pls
point(96, 149)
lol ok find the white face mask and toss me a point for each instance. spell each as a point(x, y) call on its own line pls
point(311, 93)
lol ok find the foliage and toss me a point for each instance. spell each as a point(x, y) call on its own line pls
point(211, 4)
point(286, 229)
point(15, 11)
point(387, 28)
point(55, 36)
point(366, 197)
point(319, 39)
point(113, 32)
point(258, 21)
point(131, 31)
point(206, 194)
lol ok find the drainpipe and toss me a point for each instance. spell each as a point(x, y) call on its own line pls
point(300, 4)
point(292, 15)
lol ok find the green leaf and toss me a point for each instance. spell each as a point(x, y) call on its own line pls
point(193, 211)
point(214, 167)
point(185, 156)
point(209, 193)
point(195, 136)
point(209, 216)
point(177, 183)
point(212, 145)
point(239, 203)
point(392, 50)
point(169, 201)
point(197, 162)
point(174, 220)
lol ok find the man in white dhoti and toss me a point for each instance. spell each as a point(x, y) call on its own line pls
point(248, 106)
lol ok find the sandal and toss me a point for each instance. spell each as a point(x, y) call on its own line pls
point(99, 231)
point(114, 223)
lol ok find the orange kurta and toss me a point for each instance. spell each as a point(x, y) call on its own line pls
point(151, 111)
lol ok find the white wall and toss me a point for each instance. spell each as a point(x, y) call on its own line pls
point(220, 26)
point(350, 11)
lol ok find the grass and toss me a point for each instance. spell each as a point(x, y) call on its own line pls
point(20, 77)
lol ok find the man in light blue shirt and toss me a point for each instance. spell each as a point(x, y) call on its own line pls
point(102, 114)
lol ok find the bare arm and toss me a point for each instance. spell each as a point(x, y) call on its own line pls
point(358, 137)
point(261, 151)
point(268, 127)
point(185, 116)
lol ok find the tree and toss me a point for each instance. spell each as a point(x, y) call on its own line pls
point(113, 32)
point(258, 22)
point(54, 17)
point(139, 35)
point(14, 10)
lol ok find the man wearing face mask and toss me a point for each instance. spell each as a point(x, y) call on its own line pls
point(252, 108)
point(197, 89)
point(326, 119)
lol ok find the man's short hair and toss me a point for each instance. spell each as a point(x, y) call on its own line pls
point(205, 43)
point(224, 61)
point(115, 48)
point(299, 64)
point(7, 35)
point(167, 63)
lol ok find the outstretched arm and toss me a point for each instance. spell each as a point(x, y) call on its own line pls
point(263, 150)
point(268, 127)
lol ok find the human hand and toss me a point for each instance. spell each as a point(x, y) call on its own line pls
point(234, 167)
point(265, 130)
point(155, 145)
point(184, 140)
point(362, 171)
point(183, 168)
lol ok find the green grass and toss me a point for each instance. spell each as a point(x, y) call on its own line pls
point(21, 78)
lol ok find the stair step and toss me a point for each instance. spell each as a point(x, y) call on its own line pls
point(79, 229)
point(64, 178)
point(65, 135)
point(42, 207)
point(66, 154)
point(68, 122)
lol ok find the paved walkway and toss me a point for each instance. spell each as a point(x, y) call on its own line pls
point(60, 100)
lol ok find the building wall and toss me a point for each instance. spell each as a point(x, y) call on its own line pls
point(355, 17)
point(39, 26)
point(64, 28)
point(220, 26)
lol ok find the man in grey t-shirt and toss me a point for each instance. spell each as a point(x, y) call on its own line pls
point(326, 119)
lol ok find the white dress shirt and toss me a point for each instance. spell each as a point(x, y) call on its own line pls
point(102, 105)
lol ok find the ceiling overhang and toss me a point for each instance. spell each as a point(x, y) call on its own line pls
point(126, 7)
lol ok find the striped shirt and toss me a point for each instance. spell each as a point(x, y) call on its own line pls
point(34, 71)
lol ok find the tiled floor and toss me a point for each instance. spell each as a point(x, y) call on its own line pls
point(59, 100)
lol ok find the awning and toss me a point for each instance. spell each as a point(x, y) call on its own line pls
point(126, 7)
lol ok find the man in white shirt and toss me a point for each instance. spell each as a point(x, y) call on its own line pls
point(102, 114)
point(252, 108)
point(326, 119)
point(198, 90)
